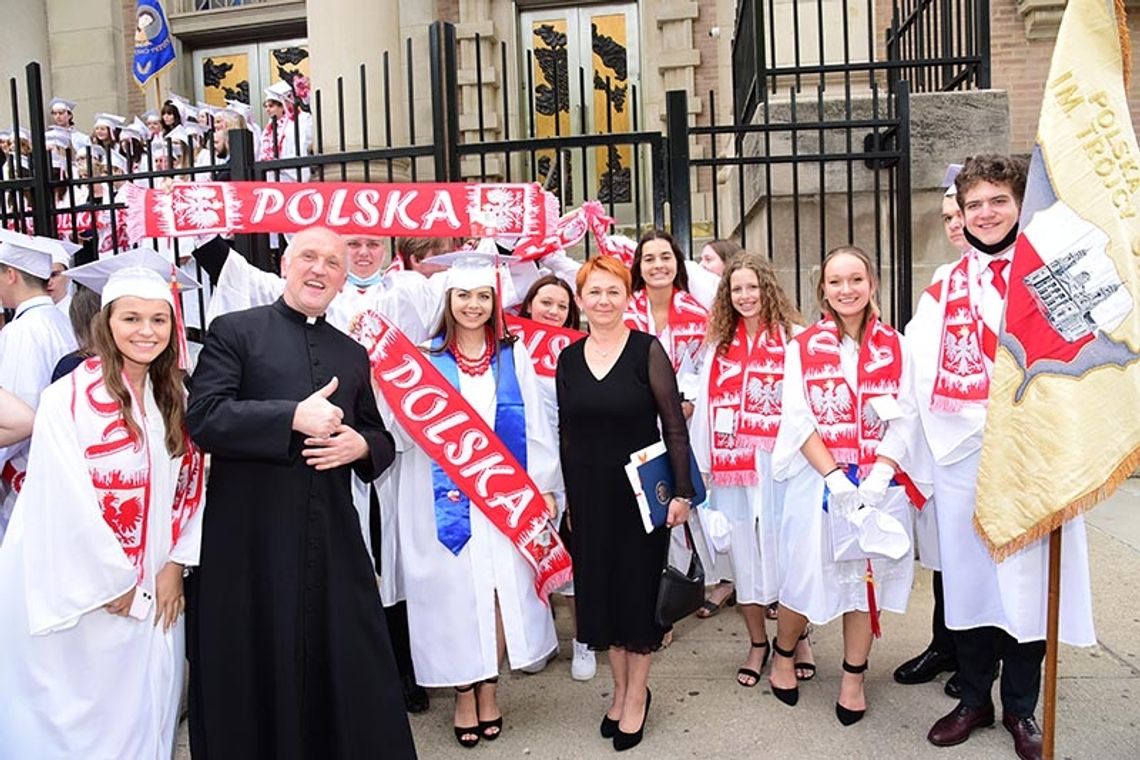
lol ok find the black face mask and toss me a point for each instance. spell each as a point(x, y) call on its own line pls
point(997, 247)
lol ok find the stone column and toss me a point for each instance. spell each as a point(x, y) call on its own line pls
point(88, 62)
point(342, 35)
point(21, 42)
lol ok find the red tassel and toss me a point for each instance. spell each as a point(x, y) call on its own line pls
point(872, 604)
point(179, 322)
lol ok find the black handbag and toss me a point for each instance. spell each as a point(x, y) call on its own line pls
point(680, 594)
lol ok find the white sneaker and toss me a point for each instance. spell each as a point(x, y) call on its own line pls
point(584, 665)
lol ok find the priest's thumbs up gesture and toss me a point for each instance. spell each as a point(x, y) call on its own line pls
point(316, 416)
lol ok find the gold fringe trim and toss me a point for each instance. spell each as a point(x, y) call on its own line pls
point(1125, 41)
point(1058, 518)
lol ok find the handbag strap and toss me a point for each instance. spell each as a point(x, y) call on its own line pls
point(694, 558)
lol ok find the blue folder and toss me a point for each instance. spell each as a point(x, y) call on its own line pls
point(651, 477)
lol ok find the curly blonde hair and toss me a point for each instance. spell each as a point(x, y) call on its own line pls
point(776, 309)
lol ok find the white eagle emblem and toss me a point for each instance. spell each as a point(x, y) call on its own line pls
point(831, 402)
point(762, 396)
point(962, 354)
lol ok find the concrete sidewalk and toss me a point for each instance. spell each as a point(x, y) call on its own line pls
point(699, 710)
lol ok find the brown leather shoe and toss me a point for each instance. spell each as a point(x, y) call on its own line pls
point(1026, 736)
point(955, 727)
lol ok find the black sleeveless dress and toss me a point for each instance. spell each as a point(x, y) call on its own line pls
point(616, 565)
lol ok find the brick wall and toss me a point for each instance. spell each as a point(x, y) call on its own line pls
point(1020, 67)
point(138, 100)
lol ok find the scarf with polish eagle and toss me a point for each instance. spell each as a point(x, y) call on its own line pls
point(967, 345)
point(119, 465)
point(688, 323)
point(745, 381)
point(845, 419)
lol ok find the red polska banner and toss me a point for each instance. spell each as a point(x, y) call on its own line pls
point(349, 208)
point(446, 427)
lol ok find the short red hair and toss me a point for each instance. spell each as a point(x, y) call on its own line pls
point(607, 264)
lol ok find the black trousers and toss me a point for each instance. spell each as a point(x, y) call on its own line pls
point(397, 614)
point(980, 650)
point(942, 640)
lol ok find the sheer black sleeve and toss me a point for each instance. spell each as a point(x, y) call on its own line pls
point(212, 257)
point(663, 384)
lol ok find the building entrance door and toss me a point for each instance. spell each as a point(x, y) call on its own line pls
point(242, 72)
point(586, 64)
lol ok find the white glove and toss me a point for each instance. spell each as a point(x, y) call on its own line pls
point(844, 496)
point(873, 489)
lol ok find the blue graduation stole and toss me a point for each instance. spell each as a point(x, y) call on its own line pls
point(452, 506)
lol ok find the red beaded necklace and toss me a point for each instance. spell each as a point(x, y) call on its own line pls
point(474, 367)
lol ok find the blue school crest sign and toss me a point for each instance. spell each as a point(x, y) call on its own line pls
point(154, 50)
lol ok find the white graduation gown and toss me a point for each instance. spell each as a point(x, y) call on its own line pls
point(30, 346)
point(812, 583)
point(753, 512)
point(78, 681)
point(451, 599)
point(979, 592)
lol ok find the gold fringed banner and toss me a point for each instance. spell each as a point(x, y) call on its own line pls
point(1060, 433)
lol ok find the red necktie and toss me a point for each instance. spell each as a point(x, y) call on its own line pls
point(997, 266)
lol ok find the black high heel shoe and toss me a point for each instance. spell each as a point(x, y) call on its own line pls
point(486, 725)
point(749, 672)
point(807, 666)
point(609, 727)
point(788, 696)
point(467, 736)
point(846, 715)
point(624, 741)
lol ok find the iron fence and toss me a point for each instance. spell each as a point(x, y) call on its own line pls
point(936, 45)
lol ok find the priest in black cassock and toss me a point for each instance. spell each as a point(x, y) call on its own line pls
point(288, 646)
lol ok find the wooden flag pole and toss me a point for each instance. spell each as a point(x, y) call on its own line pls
point(1051, 625)
point(158, 95)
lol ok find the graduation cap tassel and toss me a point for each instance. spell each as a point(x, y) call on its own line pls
point(872, 603)
point(179, 322)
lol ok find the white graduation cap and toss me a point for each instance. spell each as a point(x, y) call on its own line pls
point(468, 270)
point(62, 103)
point(189, 112)
point(109, 120)
point(174, 97)
point(33, 254)
point(140, 272)
point(79, 141)
point(57, 137)
point(948, 179)
point(25, 133)
point(241, 109)
point(150, 115)
point(191, 129)
point(118, 161)
point(97, 154)
point(5, 134)
point(879, 533)
point(135, 130)
point(181, 105)
point(281, 92)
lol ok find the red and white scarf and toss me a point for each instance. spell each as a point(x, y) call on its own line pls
point(543, 342)
point(446, 427)
point(119, 465)
point(846, 422)
point(688, 322)
point(968, 342)
point(747, 382)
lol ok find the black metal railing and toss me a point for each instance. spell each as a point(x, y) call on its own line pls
point(809, 173)
point(936, 45)
point(941, 45)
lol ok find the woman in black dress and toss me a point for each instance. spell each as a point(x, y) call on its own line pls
point(613, 387)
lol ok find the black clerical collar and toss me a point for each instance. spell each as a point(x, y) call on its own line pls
point(996, 248)
point(295, 315)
